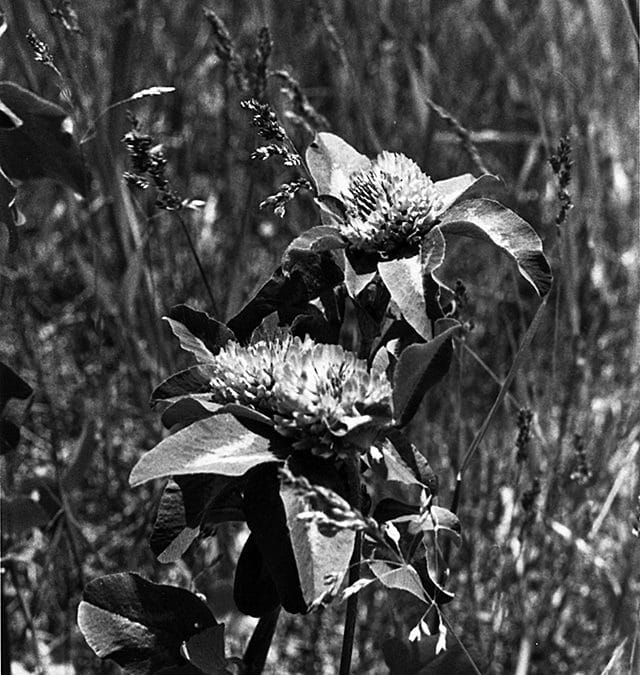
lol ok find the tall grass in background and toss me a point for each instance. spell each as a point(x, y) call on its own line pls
point(546, 580)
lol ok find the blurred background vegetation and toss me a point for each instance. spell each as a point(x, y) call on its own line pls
point(546, 580)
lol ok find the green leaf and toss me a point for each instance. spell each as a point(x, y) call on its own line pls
point(435, 519)
point(266, 518)
point(219, 444)
point(403, 656)
point(198, 332)
point(139, 624)
point(432, 251)
point(205, 650)
point(194, 380)
point(15, 400)
point(314, 240)
point(187, 410)
point(402, 577)
point(322, 561)
point(171, 536)
point(466, 186)
point(254, 590)
point(419, 367)
point(403, 279)
point(331, 161)
point(41, 147)
point(489, 220)
point(354, 282)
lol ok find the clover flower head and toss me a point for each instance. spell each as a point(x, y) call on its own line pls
point(315, 394)
point(389, 206)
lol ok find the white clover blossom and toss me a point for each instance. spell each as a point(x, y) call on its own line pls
point(389, 206)
point(314, 393)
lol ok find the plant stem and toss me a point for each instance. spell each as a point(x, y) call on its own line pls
point(256, 653)
point(196, 257)
point(353, 487)
point(352, 610)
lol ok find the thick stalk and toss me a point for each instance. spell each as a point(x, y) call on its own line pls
point(353, 485)
point(255, 655)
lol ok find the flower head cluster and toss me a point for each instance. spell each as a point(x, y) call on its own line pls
point(315, 394)
point(389, 206)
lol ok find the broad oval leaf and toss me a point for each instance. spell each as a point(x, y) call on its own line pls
point(432, 251)
point(187, 410)
point(489, 220)
point(403, 577)
point(194, 380)
point(171, 536)
point(322, 561)
point(403, 279)
point(331, 161)
point(139, 624)
point(403, 656)
point(199, 333)
point(254, 590)
point(465, 186)
point(314, 240)
point(354, 282)
point(206, 651)
point(419, 367)
point(266, 518)
point(219, 444)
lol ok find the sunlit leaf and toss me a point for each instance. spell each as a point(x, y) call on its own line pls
point(171, 536)
point(267, 520)
point(219, 444)
point(139, 624)
point(403, 279)
point(314, 240)
point(322, 561)
point(198, 332)
point(466, 186)
point(489, 220)
point(331, 161)
point(401, 577)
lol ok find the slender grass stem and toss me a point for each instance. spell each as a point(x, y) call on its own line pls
point(196, 257)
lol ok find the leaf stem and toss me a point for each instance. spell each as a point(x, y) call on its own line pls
point(353, 487)
point(256, 652)
point(352, 609)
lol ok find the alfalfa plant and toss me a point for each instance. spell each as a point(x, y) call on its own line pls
point(294, 419)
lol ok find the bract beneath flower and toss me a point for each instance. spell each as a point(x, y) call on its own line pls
point(389, 207)
point(321, 396)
